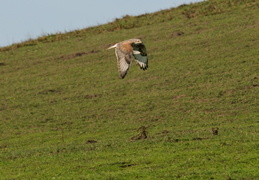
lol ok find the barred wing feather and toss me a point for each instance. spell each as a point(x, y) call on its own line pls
point(123, 62)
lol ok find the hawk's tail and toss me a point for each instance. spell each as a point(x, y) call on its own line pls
point(114, 46)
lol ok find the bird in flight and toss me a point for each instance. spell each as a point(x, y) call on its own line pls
point(127, 49)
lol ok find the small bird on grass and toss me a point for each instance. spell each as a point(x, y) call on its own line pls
point(127, 49)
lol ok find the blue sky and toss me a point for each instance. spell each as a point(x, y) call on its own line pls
point(24, 19)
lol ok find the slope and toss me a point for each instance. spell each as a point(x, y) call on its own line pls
point(65, 114)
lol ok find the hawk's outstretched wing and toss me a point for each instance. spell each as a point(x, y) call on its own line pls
point(123, 61)
point(140, 55)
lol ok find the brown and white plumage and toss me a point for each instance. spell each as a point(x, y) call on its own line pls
point(127, 49)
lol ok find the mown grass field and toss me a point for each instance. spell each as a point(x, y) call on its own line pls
point(194, 114)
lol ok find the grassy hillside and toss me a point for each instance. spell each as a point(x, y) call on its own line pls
point(65, 114)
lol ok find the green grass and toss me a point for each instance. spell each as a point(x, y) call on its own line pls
point(65, 114)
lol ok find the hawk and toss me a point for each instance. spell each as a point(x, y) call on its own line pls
point(127, 49)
